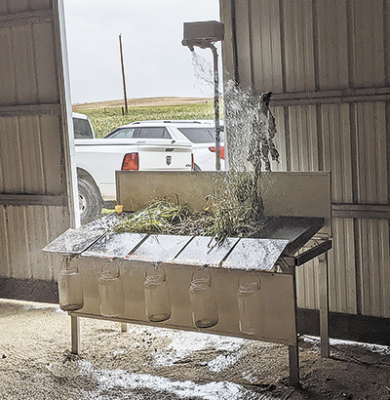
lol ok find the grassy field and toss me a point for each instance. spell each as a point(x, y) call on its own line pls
point(105, 119)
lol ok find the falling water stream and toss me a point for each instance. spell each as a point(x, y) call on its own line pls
point(203, 73)
point(251, 128)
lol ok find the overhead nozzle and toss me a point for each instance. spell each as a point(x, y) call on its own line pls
point(202, 34)
point(185, 42)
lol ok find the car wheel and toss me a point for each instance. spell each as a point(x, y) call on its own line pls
point(90, 201)
point(196, 168)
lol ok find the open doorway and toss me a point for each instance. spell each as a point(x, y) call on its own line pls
point(127, 64)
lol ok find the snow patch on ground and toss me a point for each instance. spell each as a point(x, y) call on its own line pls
point(183, 344)
point(223, 362)
point(375, 348)
point(251, 376)
point(120, 379)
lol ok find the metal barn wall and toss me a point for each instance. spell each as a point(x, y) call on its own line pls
point(327, 63)
point(35, 193)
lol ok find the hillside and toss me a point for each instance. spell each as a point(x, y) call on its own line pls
point(145, 101)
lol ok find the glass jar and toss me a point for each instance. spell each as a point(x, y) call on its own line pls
point(70, 286)
point(203, 301)
point(111, 294)
point(248, 303)
point(157, 298)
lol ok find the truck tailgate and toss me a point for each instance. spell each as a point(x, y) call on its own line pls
point(100, 158)
point(164, 158)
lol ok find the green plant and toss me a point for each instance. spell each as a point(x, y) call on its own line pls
point(162, 216)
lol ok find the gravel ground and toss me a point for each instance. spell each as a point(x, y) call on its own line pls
point(153, 363)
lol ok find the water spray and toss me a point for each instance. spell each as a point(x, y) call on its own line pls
point(204, 34)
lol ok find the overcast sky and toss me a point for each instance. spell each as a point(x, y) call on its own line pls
point(156, 64)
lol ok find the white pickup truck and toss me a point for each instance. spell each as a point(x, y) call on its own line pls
point(98, 159)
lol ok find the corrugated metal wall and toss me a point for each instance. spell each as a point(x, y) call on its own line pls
point(328, 64)
point(35, 194)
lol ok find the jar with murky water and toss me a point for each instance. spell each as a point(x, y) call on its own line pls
point(70, 286)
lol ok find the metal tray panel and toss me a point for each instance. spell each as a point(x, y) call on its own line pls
point(75, 241)
point(160, 248)
point(298, 230)
point(203, 250)
point(115, 245)
point(255, 254)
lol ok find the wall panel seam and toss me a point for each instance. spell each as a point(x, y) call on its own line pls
point(350, 43)
point(234, 42)
point(320, 140)
point(32, 200)
point(47, 240)
point(250, 42)
point(26, 18)
point(11, 111)
point(386, 30)
point(357, 246)
point(34, 64)
point(330, 97)
point(381, 284)
point(6, 240)
point(282, 44)
point(287, 137)
point(387, 128)
point(42, 156)
point(315, 46)
point(353, 144)
point(20, 157)
point(27, 242)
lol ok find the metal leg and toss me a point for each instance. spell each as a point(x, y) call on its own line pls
point(324, 305)
point(293, 360)
point(293, 351)
point(75, 332)
point(123, 327)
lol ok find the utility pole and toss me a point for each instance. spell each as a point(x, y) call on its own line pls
point(123, 72)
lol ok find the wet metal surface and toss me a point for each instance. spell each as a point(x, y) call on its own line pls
point(297, 230)
point(203, 250)
point(256, 254)
point(282, 235)
point(76, 241)
point(160, 248)
point(115, 245)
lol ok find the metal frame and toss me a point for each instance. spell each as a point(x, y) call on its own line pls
point(288, 265)
point(66, 113)
point(310, 216)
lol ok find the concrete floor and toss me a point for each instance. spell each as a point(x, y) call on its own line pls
point(154, 363)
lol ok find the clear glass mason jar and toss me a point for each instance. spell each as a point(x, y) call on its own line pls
point(157, 298)
point(70, 286)
point(203, 301)
point(248, 303)
point(111, 294)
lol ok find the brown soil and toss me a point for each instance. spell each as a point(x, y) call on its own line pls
point(153, 363)
point(147, 101)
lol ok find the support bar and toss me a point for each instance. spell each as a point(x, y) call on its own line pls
point(324, 304)
point(75, 332)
